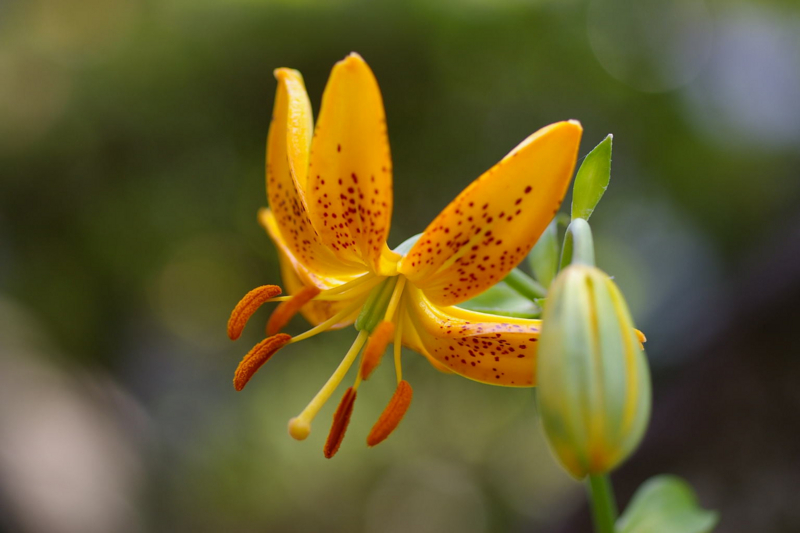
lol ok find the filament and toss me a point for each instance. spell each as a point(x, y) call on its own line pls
point(328, 324)
point(398, 348)
point(350, 289)
point(395, 301)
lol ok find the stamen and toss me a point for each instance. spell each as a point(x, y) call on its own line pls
point(392, 415)
point(256, 357)
point(396, 296)
point(300, 426)
point(341, 419)
point(352, 284)
point(376, 345)
point(247, 306)
point(398, 348)
point(354, 292)
point(328, 324)
point(286, 310)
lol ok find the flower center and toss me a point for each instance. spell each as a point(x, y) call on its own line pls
point(379, 322)
point(377, 303)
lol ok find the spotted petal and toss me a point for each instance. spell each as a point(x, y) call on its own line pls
point(487, 348)
point(412, 340)
point(287, 168)
point(350, 176)
point(296, 276)
point(492, 225)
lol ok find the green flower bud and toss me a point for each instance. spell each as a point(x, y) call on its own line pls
point(594, 383)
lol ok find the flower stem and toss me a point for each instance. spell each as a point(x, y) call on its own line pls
point(525, 285)
point(578, 244)
point(604, 507)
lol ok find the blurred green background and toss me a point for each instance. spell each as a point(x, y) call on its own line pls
point(131, 168)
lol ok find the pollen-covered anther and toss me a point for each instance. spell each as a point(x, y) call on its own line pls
point(256, 357)
point(286, 310)
point(247, 306)
point(341, 419)
point(376, 346)
point(392, 415)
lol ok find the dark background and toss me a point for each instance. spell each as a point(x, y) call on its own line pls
point(131, 168)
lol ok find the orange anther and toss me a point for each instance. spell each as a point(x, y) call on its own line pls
point(341, 418)
point(247, 306)
point(286, 310)
point(392, 415)
point(376, 345)
point(256, 357)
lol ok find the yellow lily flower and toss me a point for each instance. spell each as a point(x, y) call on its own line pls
point(330, 197)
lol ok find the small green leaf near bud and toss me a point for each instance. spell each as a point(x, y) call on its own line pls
point(666, 504)
point(592, 180)
point(543, 258)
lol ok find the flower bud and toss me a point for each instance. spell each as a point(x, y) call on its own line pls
point(594, 383)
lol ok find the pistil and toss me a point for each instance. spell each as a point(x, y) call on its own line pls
point(300, 426)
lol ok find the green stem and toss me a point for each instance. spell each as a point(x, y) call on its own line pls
point(578, 244)
point(604, 507)
point(525, 285)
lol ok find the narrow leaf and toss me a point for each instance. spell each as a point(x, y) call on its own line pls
point(592, 180)
point(501, 299)
point(543, 259)
point(666, 504)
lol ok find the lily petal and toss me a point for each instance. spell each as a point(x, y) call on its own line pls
point(412, 340)
point(287, 169)
point(487, 348)
point(492, 225)
point(295, 276)
point(350, 174)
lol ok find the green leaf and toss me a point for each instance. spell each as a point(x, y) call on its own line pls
point(543, 259)
point(525, 285)
point(592, 180)
point(666, 504)
point(501, 299)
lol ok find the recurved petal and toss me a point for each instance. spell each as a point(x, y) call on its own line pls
point(412, 340)
point(487, 348)
point(287, 168)
point(492, 225)
point(296, 277)
point(350, 176)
